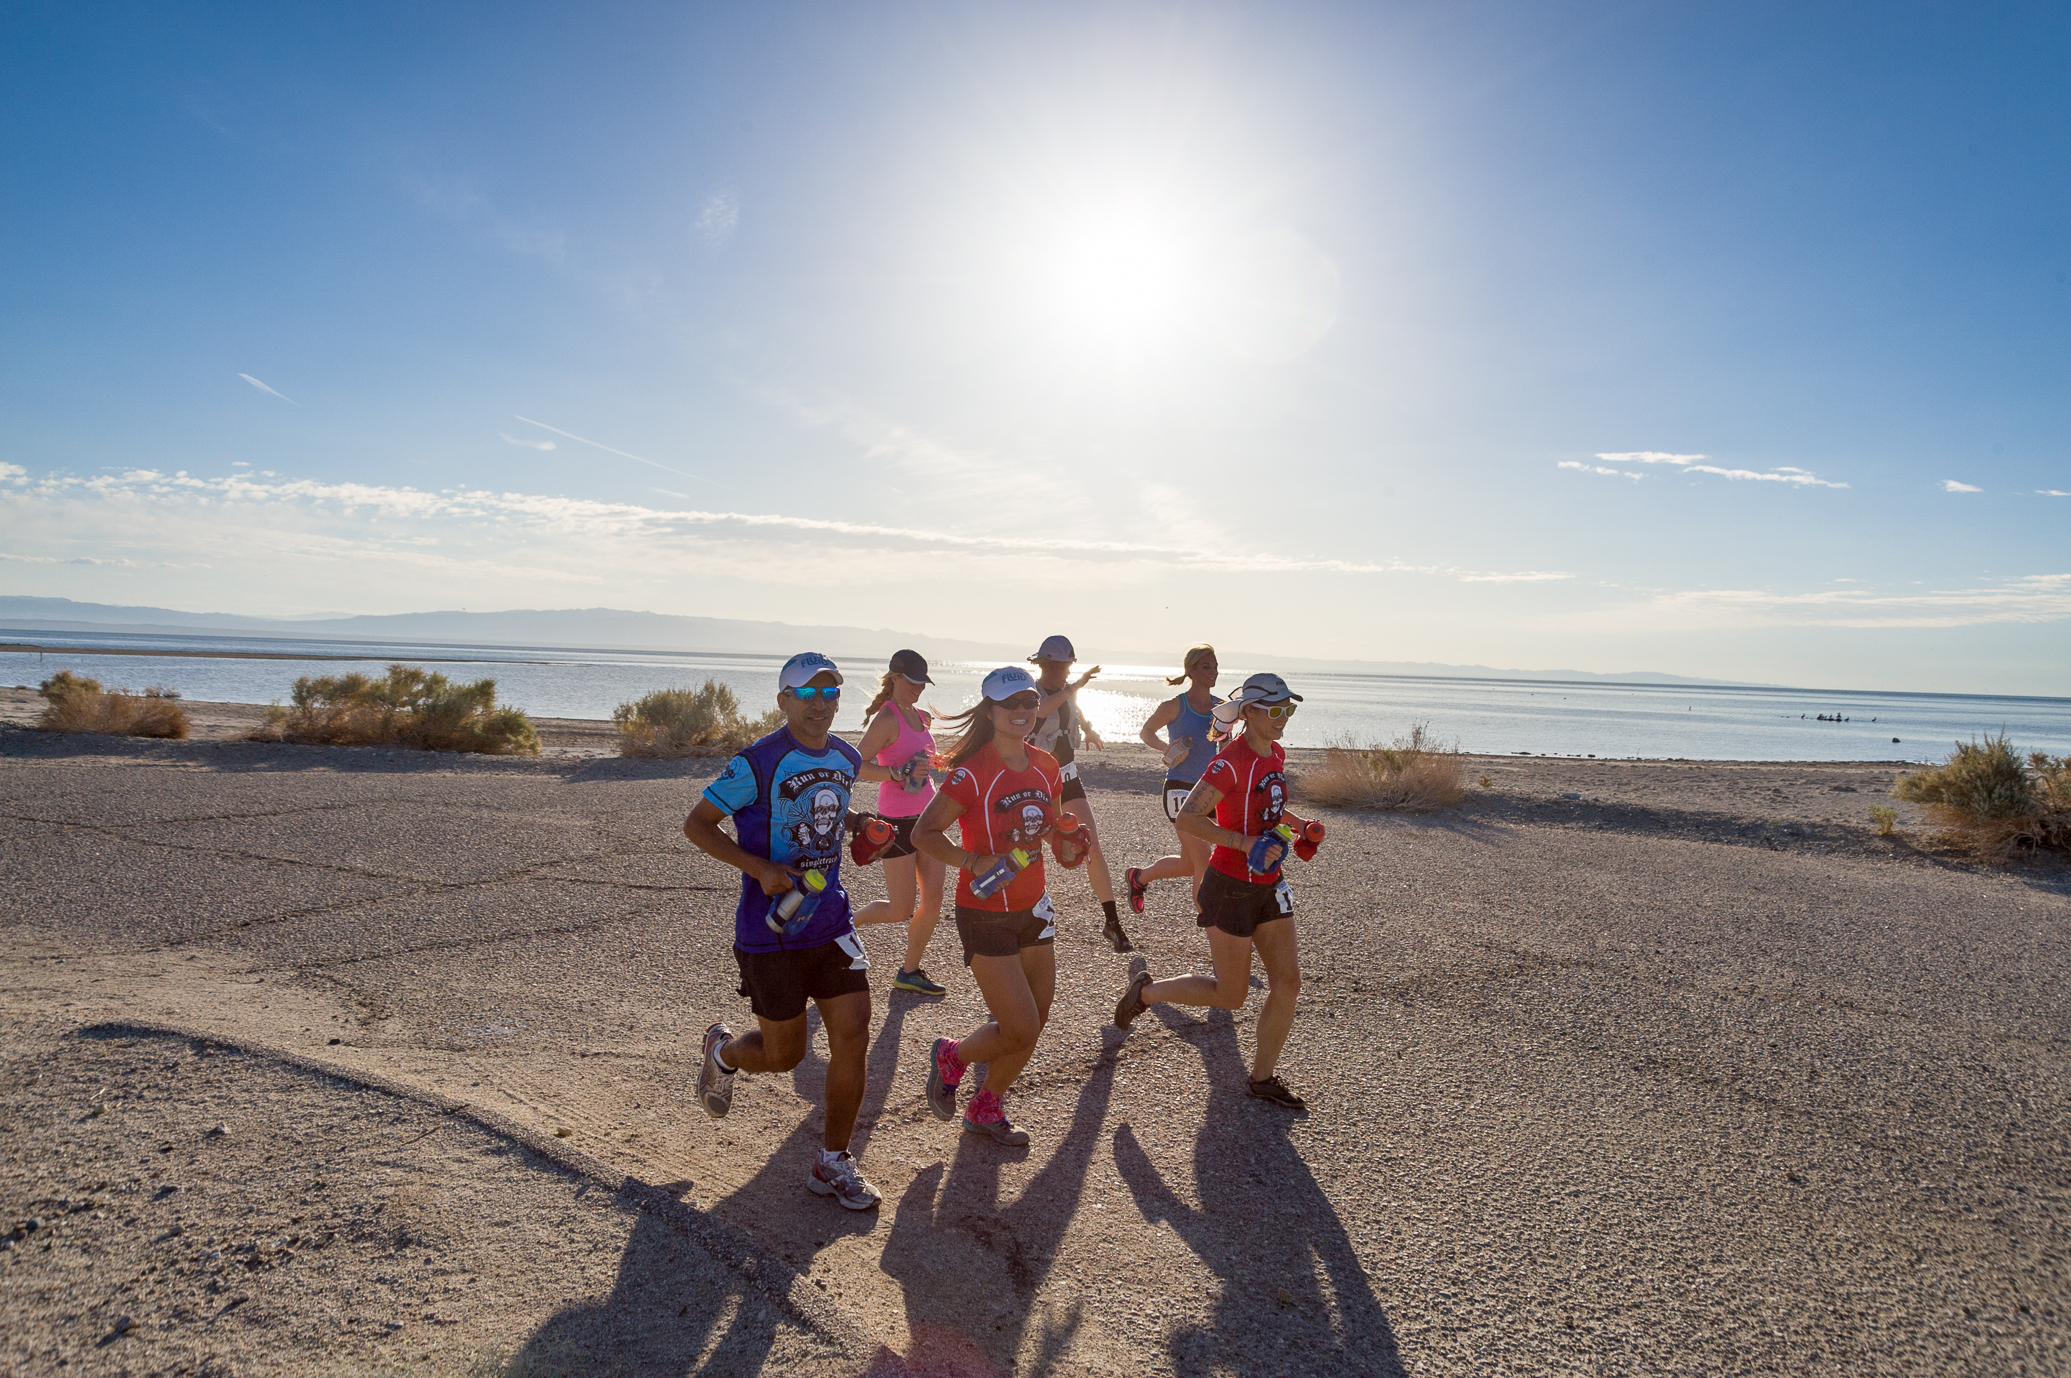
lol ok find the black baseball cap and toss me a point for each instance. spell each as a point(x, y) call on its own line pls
point(912, 664)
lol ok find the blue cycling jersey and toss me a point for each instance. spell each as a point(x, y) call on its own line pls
point(789, 804)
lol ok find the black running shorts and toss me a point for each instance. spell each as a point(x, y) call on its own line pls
point(1072, 790)
point(989, 933)
point(1238, 907)
point(778, 984)
point(902, 839)
point(1176, 792)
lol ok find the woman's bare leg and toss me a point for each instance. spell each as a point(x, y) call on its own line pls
point(1225, 990)
point(1276, 951)
point(922, 926)
point(1017, 992)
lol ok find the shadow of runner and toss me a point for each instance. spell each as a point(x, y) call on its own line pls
point(970, 1268)
point(663, 1307)
point(1265, 1227)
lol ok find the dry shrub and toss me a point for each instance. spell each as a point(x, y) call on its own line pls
point(1417, 774)
point(1991, 802)
point(1885, 817)
point(78, 704)
point(673, 723)
point(406, 707)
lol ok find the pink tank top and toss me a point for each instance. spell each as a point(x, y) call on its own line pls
point(894, 800)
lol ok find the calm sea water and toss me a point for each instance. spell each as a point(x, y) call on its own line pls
point(1542, 717)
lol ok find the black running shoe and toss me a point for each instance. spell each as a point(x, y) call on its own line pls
point(1131, 1004)
point(1116, 938)
point(1138, 888)
point(1275, 1090)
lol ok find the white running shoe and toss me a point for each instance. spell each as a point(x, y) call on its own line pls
point(842, 1180)
point(715, 1083)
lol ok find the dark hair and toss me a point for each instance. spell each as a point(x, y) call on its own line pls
point(1186, 662)
point(974, 730)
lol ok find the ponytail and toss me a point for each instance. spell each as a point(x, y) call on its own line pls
point(1186, 662)
point(884, 696)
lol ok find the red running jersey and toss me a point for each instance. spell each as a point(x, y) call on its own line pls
point(1254, 793)
point(1004, 809)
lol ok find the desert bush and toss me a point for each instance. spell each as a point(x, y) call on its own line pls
point(1416, 774)
point(673, 723)
point(1991, 801)
point(1885, 817)
point(406, 707)
point(78, 704)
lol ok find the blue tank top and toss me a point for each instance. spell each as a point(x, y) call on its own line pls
point(1192, 724)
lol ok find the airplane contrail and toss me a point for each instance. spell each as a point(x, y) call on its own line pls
point(263, 388)
point(611, 449)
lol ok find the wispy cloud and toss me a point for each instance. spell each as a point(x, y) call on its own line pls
point(1950, 485)
point(717, 218)
point(2030, 598)
point(609, 449)
point(2052, 493)
point(13, 473)
point(263, 388)
point(1693, 464)
point(1599, 469)
point(600, 541)
point(529, 444)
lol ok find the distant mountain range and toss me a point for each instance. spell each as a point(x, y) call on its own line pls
point(618, 629)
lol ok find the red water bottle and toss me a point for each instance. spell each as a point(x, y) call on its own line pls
point(869, 835)
point(1070, 832)
point(1312, 837)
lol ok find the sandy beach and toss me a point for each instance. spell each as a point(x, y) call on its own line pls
point(329, 1060)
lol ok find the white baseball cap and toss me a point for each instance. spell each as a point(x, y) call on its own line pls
point(1260, 688)
point(799, 670)
point(1007, 681)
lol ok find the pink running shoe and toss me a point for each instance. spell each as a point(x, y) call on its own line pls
point(988, 1117)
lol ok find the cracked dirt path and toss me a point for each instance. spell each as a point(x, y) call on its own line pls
point(1608, 1091)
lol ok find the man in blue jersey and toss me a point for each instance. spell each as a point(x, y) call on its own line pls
point(788, 796)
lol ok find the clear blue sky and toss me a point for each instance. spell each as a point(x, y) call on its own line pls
point(1728, 340)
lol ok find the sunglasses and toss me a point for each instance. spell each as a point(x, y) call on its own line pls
point(808, 692)
point(1023, 700)
point(1275, 711)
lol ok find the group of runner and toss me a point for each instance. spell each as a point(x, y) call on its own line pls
point(1009, 786)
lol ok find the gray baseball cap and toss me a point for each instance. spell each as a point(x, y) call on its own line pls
point(1265, 687)
point(1055, 648)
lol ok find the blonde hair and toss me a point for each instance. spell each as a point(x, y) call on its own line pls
point(884, 694)
point(1186, 662)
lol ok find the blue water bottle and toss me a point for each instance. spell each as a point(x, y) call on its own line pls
point(794, 908)
point(1003, 871)
point(1280, 836)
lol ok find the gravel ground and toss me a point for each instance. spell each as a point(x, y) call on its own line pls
point(1690, 1073)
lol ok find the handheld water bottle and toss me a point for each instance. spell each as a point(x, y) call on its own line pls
point(1311, 838)
point(917, 774)
point(1002, 872)
point(1070, 831)
point(1278, 837)
point(869, 835)
point(1178, 750)
point(794, 908)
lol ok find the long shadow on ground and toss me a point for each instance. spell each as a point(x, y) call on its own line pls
point(1266, 1228)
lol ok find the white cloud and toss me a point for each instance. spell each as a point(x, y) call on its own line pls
point(503, 536)
point(1950, 485)
point(529, 444)
point(13, 473)
point(717, 218)
point(1690, 464)
point(263, 388)
point(2052, 493)
point(1598, 469)
point(2031, 598)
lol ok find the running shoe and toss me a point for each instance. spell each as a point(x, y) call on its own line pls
point(988, 1117)
point(842, 1180)
point(1116, 937)
point(1137, 888)
point(917, 981)
point(941, 1086)
point(1275, 1090)
point(1131, 1004)
point(715, 1083)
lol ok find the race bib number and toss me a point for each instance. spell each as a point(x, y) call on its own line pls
point(1068, 771)
point(1283, 897)
point(853, 946)
point(1175, 800)
point(1047, 912)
